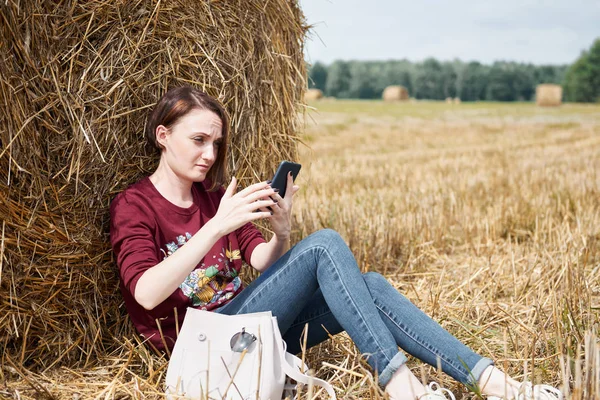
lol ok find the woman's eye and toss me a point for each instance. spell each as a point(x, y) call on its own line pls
point(199, 139)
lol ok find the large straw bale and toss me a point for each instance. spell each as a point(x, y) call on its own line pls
point(548, 95)
point(395, 93)
point(76, 82)
point(313, 94)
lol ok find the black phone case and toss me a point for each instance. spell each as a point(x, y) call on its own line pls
point(279, 181)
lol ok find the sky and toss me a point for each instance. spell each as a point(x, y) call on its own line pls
point(532, 31)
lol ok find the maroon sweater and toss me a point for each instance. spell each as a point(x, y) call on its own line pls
point(146, 228)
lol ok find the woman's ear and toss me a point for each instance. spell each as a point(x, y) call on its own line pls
point(161, 135)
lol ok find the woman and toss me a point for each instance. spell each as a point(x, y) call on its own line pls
point(179, 240)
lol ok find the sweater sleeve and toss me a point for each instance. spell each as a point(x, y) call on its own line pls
point(132, 239)
point(248, 238)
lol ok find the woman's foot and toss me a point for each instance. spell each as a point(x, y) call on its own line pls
point(528, 391)
point(496, 385)
point(404, 385)
point(493, 382)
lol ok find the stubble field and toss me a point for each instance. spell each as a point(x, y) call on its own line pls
point(487, 216)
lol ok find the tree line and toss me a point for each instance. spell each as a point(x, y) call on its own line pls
point(469, 81)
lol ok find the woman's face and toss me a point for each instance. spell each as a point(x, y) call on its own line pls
point(190, 147)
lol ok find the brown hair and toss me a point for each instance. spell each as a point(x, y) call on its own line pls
point(177, 103)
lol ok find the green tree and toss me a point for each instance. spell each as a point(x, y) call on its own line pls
point(523, 80)
point(317, 76)
point(474, 82)
point(395, 73)
point(362, 80)
point(582, 80)
point(338, 80)
point(509, 81)
point(428, 82)
point(459, 69)
point(448, 80)
point(549, 74)
point(500, 84)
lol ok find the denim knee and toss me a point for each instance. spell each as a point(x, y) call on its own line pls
point(375, 280)
point(326, 237)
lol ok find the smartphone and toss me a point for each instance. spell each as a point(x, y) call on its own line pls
point(279, 180)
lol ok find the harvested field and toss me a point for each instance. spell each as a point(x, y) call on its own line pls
point(485, 215)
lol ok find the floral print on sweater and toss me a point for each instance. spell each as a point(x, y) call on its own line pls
point(214, 283)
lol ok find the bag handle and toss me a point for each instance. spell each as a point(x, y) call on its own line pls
point(298, 376)
point(289, 360)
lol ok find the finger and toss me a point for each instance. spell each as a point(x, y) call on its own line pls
point(290, 183)
point(270, 210)
point(280, 204)
point(260, 215)
point(257, 205)
point(263, 194)
point(276, 208)
point(295, 189)
point(253, 188)
point(276, 196)
point(231, 188)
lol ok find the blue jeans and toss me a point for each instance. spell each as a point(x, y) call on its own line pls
point(318, 282)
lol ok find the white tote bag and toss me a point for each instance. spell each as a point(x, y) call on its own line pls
point(204, 365)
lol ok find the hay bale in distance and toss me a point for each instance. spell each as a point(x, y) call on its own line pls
point(395, 93)
point(457, 100)
point(313, 94)
point(77, 80)
point(548, 95)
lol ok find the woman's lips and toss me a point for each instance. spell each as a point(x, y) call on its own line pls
point(202, 166)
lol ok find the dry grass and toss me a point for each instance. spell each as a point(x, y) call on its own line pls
point(486, 216)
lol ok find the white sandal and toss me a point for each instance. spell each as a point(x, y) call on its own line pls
point(436, 392)
point(527, 391)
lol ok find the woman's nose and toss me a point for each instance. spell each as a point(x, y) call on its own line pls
point(209, 154)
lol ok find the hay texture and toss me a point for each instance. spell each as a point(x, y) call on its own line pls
point(77, 80)
point(313, 94)
point(548, 95)
point(395, 93)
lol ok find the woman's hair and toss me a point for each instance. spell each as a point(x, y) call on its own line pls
point(177, 103)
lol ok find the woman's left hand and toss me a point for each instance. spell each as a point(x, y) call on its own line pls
point(281, 220)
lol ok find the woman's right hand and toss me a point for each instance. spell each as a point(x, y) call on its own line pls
point(237, 209)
